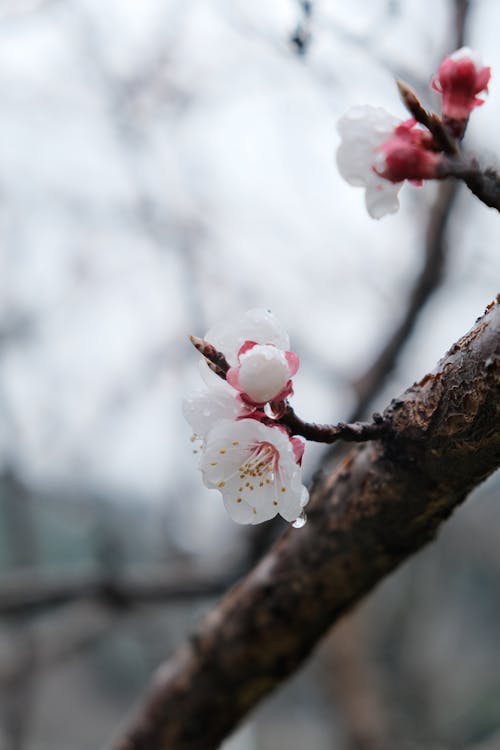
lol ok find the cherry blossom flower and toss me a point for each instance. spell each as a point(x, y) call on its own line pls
point(263, 373)
point(379, 152)
point(460, 78)
point(254, 466)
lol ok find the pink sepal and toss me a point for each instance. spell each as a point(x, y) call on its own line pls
point(293, 362)
point(256, 414)
point(298, 449)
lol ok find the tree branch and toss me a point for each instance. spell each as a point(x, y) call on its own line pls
point(355, 432)
point(385, 502)
point(485, 184)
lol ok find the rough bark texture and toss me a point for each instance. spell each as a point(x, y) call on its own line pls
point(385, 501)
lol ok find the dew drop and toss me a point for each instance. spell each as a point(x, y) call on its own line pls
point(300, 521)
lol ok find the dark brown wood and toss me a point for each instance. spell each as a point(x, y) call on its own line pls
point(385, 501)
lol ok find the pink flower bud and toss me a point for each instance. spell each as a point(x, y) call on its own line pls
point(461, 76)
point(263, 373)
point(407, 155)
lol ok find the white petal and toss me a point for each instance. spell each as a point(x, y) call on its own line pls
point(239, 512)
point(222, 455)
point(292, 499)
point(381, 198)
point(259, 325)
point(259, 515)
point(363, 129)
point(203, 408)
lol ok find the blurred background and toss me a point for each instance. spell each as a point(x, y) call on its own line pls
point(165, 164)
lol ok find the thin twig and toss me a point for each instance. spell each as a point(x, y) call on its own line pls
point(356, 432)
point(484, 184)
point(213, 357)
point(430, 120)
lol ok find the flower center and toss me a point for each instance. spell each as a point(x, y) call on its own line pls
point(261, 464)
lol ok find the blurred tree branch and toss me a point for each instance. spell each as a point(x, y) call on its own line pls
point(25, 592)
point(384, 503)
point(426, 283)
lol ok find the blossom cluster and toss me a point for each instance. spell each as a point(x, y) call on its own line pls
point(245, 453)
point(379, 152)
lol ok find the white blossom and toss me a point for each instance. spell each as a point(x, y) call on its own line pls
point(253, 465)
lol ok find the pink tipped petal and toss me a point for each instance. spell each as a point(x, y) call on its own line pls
point(293, 362)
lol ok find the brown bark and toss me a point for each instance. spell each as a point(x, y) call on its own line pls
point(385, 502)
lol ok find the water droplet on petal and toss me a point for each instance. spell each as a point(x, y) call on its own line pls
point(300, 521)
